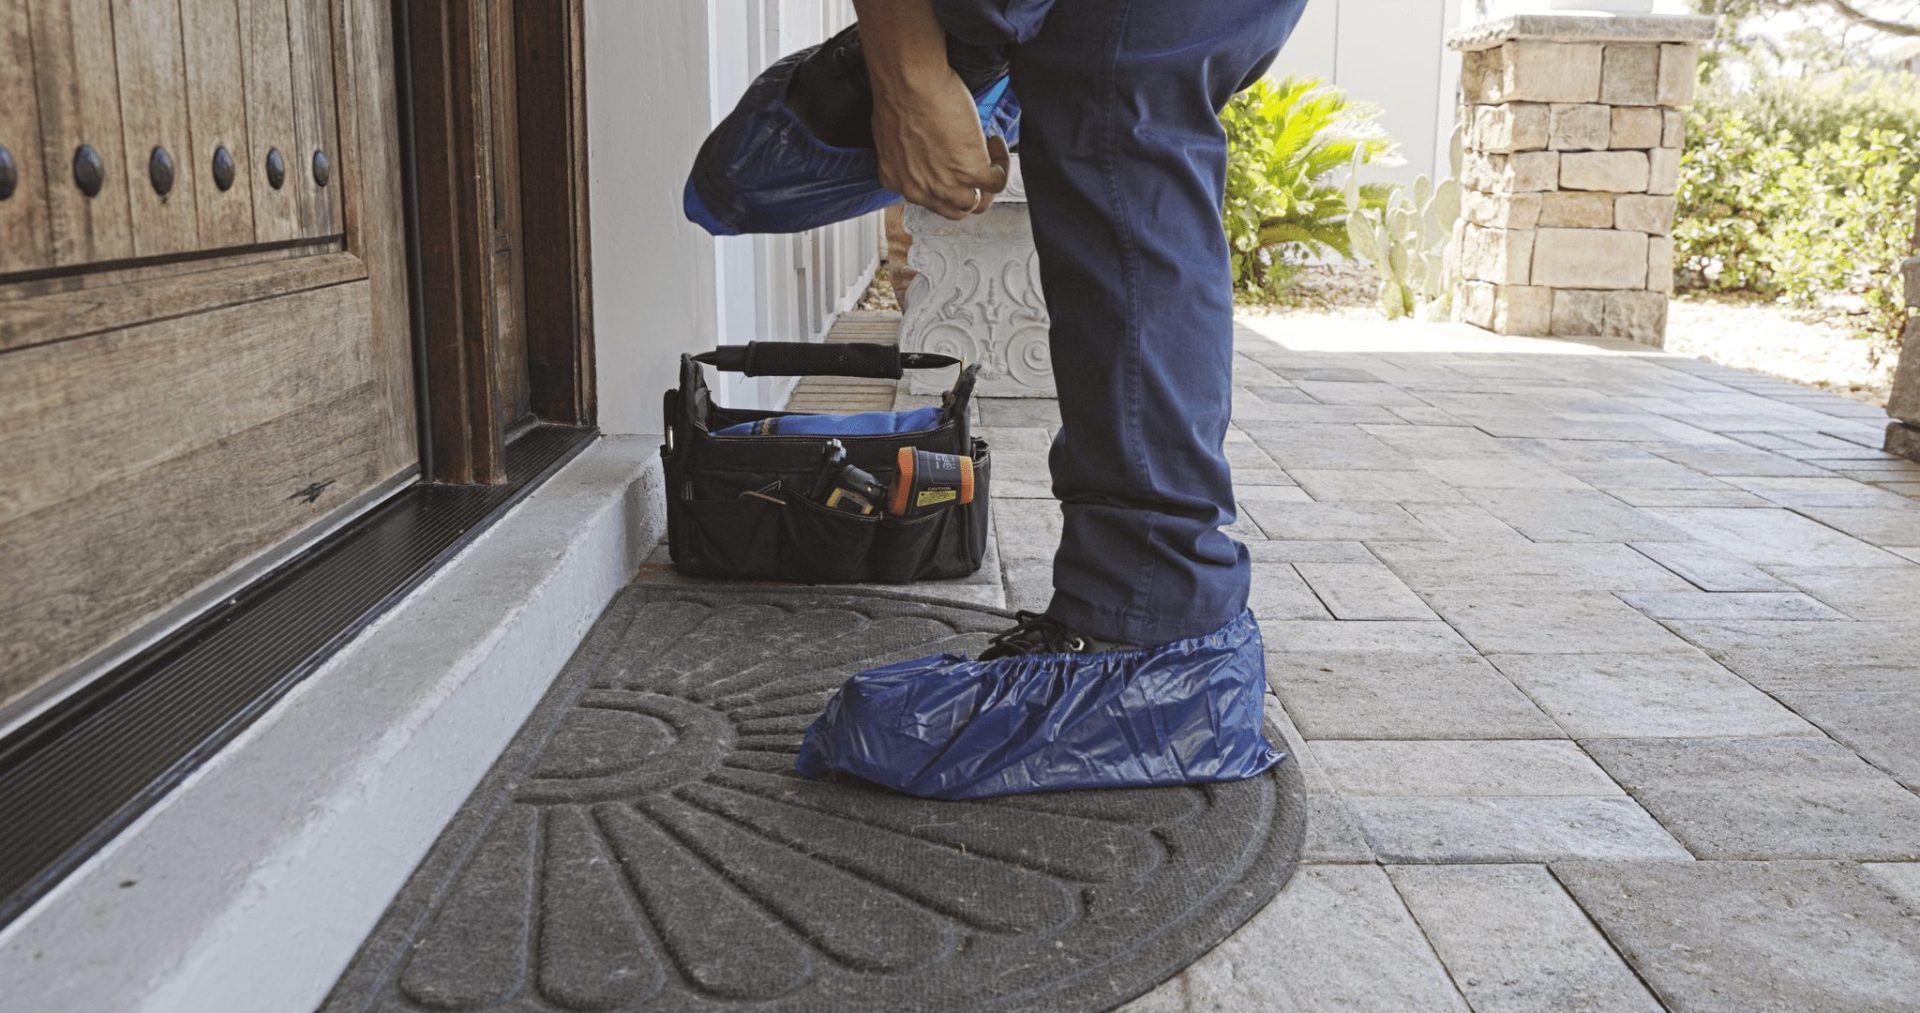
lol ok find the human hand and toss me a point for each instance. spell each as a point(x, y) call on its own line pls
point(930, 147)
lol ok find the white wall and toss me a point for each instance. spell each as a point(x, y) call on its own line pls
point(659, 75)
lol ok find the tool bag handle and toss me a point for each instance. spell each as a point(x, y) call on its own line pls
point(802, 358)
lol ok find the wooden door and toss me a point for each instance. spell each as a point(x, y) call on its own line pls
point(204, 343)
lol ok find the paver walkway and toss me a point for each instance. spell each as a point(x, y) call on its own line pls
point(1603, 667)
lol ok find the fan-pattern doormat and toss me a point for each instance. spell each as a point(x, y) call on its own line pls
point(644, 844)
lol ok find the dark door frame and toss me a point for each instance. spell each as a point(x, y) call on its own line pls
point(444, 62)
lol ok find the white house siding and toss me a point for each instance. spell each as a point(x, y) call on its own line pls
point(659, 75)
point(1391, 53)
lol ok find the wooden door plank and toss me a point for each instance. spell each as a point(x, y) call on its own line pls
point(64, 316)
point(503, 117)
point(370, 131)
point(97, 567)
point(153, 114)
point(269, 86)
point(125, 401)
point(311, 51)
point(78, 93)
point(25, 242)
point(217, 108)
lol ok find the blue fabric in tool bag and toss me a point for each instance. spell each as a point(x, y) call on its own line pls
point(763, 170)
point(856, 424)
point(949, 727)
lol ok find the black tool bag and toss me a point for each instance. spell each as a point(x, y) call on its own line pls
point(737, 506)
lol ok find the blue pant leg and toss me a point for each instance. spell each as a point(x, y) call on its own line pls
point(1124, 162)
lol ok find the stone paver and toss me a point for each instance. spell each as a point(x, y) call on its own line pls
point(1338, 937)
point(1610, 660)
point(1740, 798)
point(1409, 695)
point(1570, 623)
point(1741, 936)
point(1468, 830)
point(1441, 768)
point(1646, 696)
point(1362, 591)
point(1515, 941)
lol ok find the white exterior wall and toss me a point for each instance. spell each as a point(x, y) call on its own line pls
point(659, 75)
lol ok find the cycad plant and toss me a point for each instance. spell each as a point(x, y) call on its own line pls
point(1287, 202)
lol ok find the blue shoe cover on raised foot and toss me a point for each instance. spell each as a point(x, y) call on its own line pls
point(762, 170)
point(949, 727)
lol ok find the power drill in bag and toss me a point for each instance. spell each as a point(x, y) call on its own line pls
point(924, 482)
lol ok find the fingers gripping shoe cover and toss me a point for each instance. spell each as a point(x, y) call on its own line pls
point(764, 169)
point(949, 727)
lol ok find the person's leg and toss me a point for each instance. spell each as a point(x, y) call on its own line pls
point(1124, 162)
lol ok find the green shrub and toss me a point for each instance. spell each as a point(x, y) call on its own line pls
point(1804, 194)
point(1285, 200)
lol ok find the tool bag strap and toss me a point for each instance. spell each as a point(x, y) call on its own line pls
point(802, 358)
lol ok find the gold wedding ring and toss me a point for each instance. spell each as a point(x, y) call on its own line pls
point(978, 196)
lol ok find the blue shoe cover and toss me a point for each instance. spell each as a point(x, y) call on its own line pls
point(762, 170)
point(949, 727)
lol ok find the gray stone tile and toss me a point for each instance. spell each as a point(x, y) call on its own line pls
point(1901, 878)
point(1688, 498)
point(1338, 937)
point(1332, 834)
point(1766, 798)
point(1465, 830)
point(1526, 567)
point(1402, 695)
point(1513, 940)
point(1642, 473)
point(1026, 528)
point(1879, 525)
point(1288, 493)
point(1708, 568)
point(1737, 460)
point(1646, 696)
point(1357, 393)
point(1029, 583)
point(1020, 412)
point(1884, 728)
point(1507, 471)
point(1338, 521)
point(1817, 491)
point(1443, 768)
point(1465, 523)
point(1279, 593)
point(1362, 591)
point(1426, 415)
point(1567, 623)
point(1911, 552)
point(1777, 656)
point(1389, 635)
point(1278, 393)
point(1327, 485)
point(1781, 605)
point(1875, 592)
point(1552, 515)
point(1322, 446)
point(1773, 537)
point(1252, 409)
point(1293, 551)
point(1755, 936)
point(1431, 443)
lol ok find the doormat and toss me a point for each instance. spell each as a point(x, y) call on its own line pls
point(644, 844)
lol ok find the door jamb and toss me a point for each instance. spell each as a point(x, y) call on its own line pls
point(449, 160)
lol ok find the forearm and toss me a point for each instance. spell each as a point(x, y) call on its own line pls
point(905, 47)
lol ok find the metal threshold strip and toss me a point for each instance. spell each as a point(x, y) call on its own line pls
point(79, 773)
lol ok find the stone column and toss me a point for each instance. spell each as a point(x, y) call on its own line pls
point(976, 295)
point(1903, 433)
point(1573, 130)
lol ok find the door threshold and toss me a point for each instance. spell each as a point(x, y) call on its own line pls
point(82, 770)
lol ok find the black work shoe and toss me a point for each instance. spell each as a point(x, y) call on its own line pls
point(1034, 633)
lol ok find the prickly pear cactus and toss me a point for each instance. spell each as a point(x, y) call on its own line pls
point(1410, 242)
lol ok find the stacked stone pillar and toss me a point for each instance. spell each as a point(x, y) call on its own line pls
point(1573, 126)
point(1903, 432)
